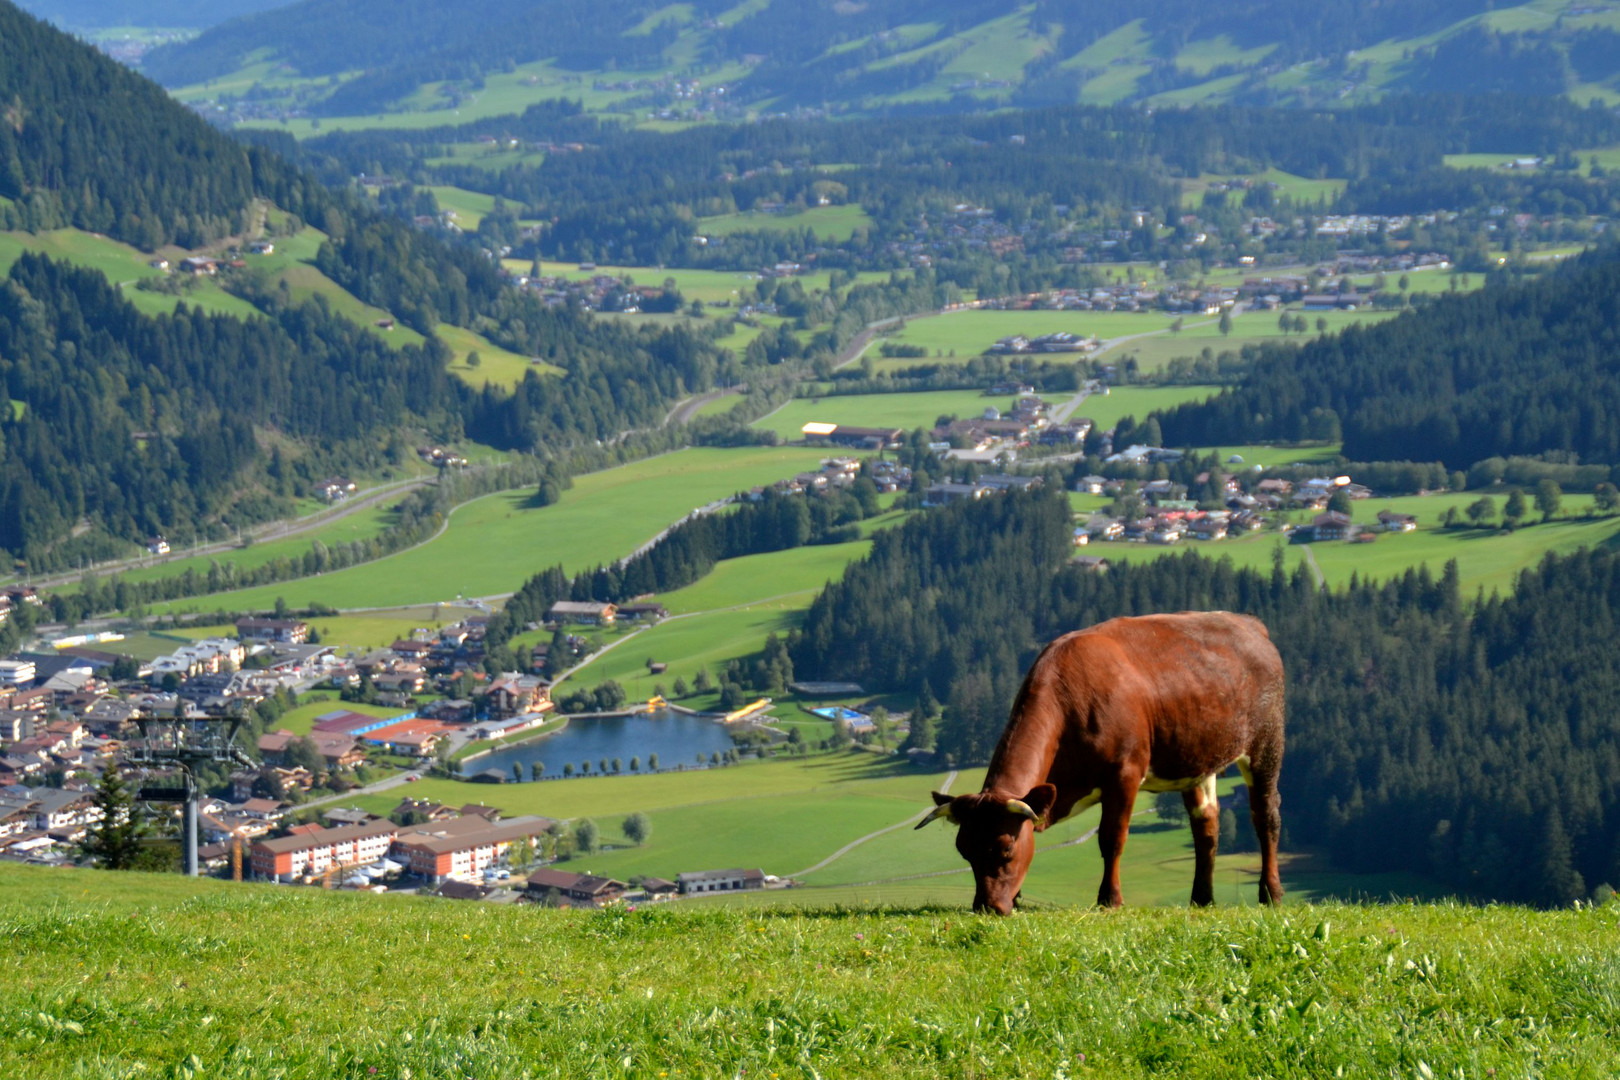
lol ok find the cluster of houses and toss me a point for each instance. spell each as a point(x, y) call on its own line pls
point(1168, 516)
point(994, 436)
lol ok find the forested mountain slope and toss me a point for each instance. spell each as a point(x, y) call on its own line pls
point(907, 54)
point(1475, 746)
point(1519, 369)
point(86, 142)
point(134, 426)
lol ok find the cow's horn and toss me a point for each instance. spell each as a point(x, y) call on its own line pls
point(943, 810)
point(1022, 809)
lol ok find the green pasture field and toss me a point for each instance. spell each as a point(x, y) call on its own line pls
point(1298, 188)
point(118, 261)
point(488, 157)
point(359, 631)
point(832, 223)
point(496, 365)
point(1106, 410)
point(908, 411)
point(493, 544)
point(971, 333)
point(1202, 57)
point(120, 264)
point(466, 208)
point(361, 525)
point(1273, 457)
point(146, 645)
point(1487, 559)
point(133, 974)
point(687, 644)
point(1256, 327)
point(1607, 157)
point(305, 282)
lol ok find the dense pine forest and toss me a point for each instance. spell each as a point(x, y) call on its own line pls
point(1473, 743)
point(1515, 370)
point(88, 143)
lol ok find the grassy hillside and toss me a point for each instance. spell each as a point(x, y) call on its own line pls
point(125, 975)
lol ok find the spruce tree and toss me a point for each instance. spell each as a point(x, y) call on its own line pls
point(114, 842)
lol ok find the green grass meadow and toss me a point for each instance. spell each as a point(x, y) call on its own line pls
point(832, 223)
point(123, 975)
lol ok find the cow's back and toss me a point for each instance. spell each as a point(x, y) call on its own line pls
point(1196, 687)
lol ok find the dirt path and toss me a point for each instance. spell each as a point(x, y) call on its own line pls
point(853, 844)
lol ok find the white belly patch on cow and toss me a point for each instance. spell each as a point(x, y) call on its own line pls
point(1086, 803)
point(1156, 784)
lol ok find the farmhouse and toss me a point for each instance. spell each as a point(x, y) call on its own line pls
point(336, 750)
point(1393, 522)
point(585, 612)
point(574, 890)
point(709, 881)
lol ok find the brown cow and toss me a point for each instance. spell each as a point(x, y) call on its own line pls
point(1156, 703)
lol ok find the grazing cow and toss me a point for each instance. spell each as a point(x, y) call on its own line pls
point(1156, 703)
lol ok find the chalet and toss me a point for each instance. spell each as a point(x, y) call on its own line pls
point(659, 889)
point(197, 264)
point(1090, 485)
point(289, 631)
point(650, 612)
point(262, 247)
point(1208, 528)
point(412, 650)
point(336, 750)
point(512, 695)
point(1390, 521)
point(584, 612)
point(1096, 564)
point(157, 545)
point(1332, 526)
point(710, 881)
point(573, 890)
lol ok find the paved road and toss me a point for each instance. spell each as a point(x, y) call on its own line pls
point(687, 408)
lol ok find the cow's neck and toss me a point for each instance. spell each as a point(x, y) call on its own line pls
point(1027, 749)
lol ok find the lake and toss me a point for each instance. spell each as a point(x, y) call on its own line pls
point(676, 738)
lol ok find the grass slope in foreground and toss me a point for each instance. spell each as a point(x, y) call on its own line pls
point(123, 975)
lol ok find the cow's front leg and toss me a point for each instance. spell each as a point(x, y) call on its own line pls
point(1118, 799)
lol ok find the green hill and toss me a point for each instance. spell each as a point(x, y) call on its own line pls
point(431, 62)
point(124, 975)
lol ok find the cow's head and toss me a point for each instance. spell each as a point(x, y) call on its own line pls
point(996, 835)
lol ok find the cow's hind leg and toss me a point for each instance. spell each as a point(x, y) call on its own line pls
point(1265, 808)
point(1118, 799)
point(1204, 813)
